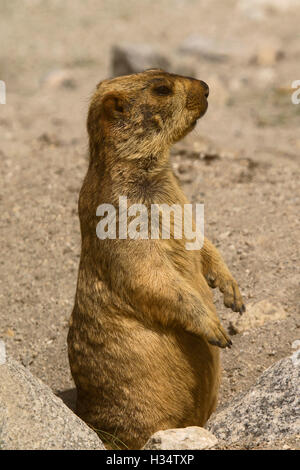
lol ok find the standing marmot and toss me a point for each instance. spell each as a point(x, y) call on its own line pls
point(144, 329)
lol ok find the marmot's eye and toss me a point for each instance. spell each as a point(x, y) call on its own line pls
point(162, 90)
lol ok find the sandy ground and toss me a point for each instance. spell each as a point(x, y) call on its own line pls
point(251, 190)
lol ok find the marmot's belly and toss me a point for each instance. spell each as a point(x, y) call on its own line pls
point(142, 374)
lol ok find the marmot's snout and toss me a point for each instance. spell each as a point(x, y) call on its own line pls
point(205, 88)
point(197, 97)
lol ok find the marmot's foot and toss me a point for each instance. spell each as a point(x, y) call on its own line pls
point(229, 287)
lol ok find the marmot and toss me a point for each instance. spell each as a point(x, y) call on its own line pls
point(144, 332)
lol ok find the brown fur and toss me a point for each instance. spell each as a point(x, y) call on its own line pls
point(144, 330)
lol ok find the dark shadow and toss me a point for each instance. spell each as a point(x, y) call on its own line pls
point(68, 397)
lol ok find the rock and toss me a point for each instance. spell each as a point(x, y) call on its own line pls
point(58, 79)
point(191, 438)
point(256, 315)
point(204, 48)
point(295, 357)
point(33, 418)
point(132, 58)
point(270, 410)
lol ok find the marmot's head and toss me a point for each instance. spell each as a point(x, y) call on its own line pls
point(145, 112)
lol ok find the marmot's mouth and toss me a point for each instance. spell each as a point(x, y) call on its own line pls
point(191, 127)
point(200, 115)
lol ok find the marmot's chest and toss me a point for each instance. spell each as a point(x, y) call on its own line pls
point(147, 189)
point(144, 188)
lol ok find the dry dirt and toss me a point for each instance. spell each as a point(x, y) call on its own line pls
point(247, 176)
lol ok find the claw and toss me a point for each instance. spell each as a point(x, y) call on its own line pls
point(242, 309)
point(218, 343)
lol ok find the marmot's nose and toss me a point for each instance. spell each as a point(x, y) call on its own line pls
point(206, 88)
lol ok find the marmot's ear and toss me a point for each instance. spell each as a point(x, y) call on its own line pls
point(114, 105)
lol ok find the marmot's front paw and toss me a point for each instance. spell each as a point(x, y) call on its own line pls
point(214, 333)
point(229, 287)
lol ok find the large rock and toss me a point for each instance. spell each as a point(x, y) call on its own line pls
point(190, 438)
point(269, 411)
point(32, 417)
point(133, 58)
